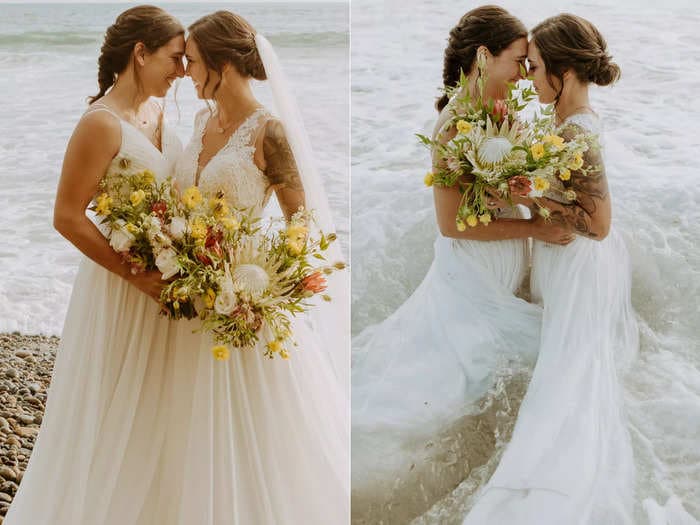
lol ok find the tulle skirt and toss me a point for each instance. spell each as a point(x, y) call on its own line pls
point(143, 427)
point(96, 458)
point(422, 411)
point(570, 457)
point(260, 441)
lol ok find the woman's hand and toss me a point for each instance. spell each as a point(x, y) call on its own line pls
point(518, 195)
point(551, 232)
point(151, 283)
point(494, 199)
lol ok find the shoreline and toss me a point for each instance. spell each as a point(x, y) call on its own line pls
point(26, 364)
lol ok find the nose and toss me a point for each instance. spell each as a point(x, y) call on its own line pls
point(180, 69)
point(187, 70)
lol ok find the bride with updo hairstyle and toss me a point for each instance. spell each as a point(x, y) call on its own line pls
point(260, 441)
point(570, 457)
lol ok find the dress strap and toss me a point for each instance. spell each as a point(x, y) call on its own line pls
point(99, 106)
point(257, 122)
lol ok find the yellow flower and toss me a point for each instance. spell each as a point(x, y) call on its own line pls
point(137, 197)
point(570, 195)
point(220, 353)
point(230, 223)
point(296, 238)
point(554, 140)
point(274, 346)
point(219, 207)
point(461, 226)
point(198, 228)
point(541, 184)
point(192, 197)
point(104, 202)
point(472, 220)
point(564, 174)
point(131, 227)
point(148, 177)
point(537, 150)
point(284, 354)
point(485, 218)
point(576, 163)
point(209, 298)
point(463, 127)
point(428, 180)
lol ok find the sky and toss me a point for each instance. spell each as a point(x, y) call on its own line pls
point(137, 2)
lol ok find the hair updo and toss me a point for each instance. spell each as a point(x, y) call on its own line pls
point(569, 42)
point(227, 38)
point(147, 24)
point(489, 26)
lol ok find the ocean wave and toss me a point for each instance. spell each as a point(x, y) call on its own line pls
point(324, 38)
point(34, 39)
point(20, 41)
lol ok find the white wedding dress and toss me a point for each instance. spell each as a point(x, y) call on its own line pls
point(570, 457)
point(96, 458)
point(254, 441)
point(428, 382)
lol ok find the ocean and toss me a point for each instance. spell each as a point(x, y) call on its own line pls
point(48, 67)
point(651, 121)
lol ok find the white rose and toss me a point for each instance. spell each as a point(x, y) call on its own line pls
point(178, 227)
point(167, 263)
point(120, 238)
point(226, 301)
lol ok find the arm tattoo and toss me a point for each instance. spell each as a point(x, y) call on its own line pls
point(591, 187)
point(281, 167)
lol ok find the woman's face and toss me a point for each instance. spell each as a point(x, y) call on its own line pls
point(505, 67)
point(545, 92)
point(198, 72)
point(162, 67)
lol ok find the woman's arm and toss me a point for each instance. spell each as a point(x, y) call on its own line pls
point(93, 145)
point(589, 213)
point(447, 201)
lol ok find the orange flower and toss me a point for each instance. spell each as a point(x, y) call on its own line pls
point(314, 282)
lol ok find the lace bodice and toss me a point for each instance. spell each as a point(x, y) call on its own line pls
point(591, 124)
point(231, 169)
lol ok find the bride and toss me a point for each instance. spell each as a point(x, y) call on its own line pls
point(570, 457)
point(423, 381)
point(258, 441)
point(95, 458)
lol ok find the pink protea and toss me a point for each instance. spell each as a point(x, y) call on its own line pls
point(314, 282)
point(500, 110)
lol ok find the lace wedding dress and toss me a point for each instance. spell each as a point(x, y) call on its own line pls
point(258, 441)
point(429, 381)
point(96, 458)
point(570, 457)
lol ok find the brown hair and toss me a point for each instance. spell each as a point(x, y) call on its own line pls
point(489, 26)
point(224, 38)
point(569, 42)
point(144, 23)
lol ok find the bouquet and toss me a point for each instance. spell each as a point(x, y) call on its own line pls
point(135, 207)
point(242, 279)
point(492, 148)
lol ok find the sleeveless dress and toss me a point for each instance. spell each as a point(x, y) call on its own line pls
point(259, 441)
point(429, 381)
point(96, 458)
point(570, 457)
